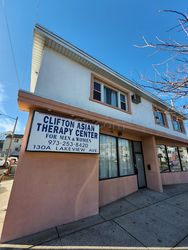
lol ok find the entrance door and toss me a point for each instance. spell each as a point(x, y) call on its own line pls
point(140, 170)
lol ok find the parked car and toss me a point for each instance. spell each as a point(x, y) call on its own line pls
point(2, 162)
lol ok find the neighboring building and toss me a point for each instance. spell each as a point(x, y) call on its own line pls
point(143, 142)
point(15, 145)
point(1, 146)
point(2, 139)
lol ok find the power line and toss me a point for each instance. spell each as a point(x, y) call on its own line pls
point(11, 44)
point(27, 56)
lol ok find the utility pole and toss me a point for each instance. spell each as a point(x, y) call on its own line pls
point(12, 136)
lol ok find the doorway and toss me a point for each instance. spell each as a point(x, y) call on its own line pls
point(140, 170)
point(139, 164)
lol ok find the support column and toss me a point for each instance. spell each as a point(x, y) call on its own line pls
point(153, 175)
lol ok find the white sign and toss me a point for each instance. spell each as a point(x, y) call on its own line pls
point(58, 134)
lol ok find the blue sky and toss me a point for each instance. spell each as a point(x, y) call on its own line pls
point(105, 29)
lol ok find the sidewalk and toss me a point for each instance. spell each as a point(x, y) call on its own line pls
point(5, 188)
point(145, 219)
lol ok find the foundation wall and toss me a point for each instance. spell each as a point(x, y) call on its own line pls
point(111, 190)
point(174, 178)
point(50, 189)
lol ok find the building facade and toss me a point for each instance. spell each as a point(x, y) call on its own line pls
point(15, 145)
point(142, 141)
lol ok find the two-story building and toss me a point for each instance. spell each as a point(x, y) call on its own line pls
point(142, 141)
point(15, 141)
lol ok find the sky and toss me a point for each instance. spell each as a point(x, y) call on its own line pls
point(105, 29)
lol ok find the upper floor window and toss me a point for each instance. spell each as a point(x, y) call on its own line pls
point(178, 125)
point(160, 117)
point(108, 95)
point(123, 101)
point(97, 91)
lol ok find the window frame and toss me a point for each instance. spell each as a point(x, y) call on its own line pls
point(178, 154)
point(181, 124)
point(182, 167)
point(167, 158)
point(105, 90)
point(180, 161)
point(118, 164)
point(110, 85)
point(126, 101)
point(95, 90)
point(157, 109)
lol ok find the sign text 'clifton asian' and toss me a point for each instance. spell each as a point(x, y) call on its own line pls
point(58, 134)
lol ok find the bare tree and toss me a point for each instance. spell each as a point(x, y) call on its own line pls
point(171, 83)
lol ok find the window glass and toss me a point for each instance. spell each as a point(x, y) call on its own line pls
point(173, 157)
point(125, 157)
point(163, 159)
point(184, 158)
point(123, 102)
point(108, 157)
point(178, 125)
point(97, 86)
point(110, 97)
point(159, 117)
point(97, 91)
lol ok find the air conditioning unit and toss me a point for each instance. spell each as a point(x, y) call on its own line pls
point(136, 99)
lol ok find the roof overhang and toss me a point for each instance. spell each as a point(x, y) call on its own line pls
point(43, 37)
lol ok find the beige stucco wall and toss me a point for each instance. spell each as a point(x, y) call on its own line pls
point(153, 176)
point(68, 75)
point(50, 189)
point(174, 178)
point(113, 189)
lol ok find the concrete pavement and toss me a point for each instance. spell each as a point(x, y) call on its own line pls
point(5, 188)
point(145, 219)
